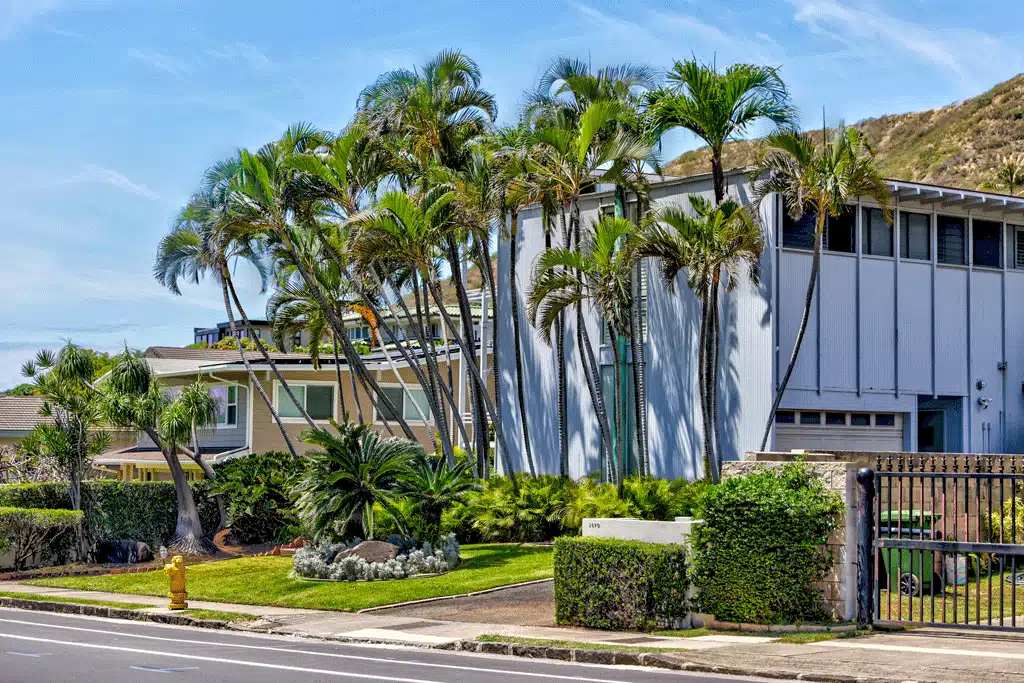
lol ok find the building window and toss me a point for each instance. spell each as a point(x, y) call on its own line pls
point(406, 402)
point(952, 244)
point(885, 420)
point(810, 418)
point(916, 236)
point(798, 234)
point(297, 339)
point(986, 243)
point(785, 417)
point(835, 418)
point(227, 400)
point(317, 399)
point(860, 420)
point(876, 233)
point(359, 333)
point(840, 231)
point(1018, 247)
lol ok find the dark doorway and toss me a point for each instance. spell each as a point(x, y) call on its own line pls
point(931, 431)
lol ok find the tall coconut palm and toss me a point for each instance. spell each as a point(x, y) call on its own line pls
point(719, 106)
point(819, 180)
point(714, 245)
point(598, 274)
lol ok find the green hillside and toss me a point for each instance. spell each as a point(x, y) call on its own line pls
point(960, 145)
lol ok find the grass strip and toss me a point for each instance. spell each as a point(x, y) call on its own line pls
point(574, 645)
point(217, 615)
point(74, 601)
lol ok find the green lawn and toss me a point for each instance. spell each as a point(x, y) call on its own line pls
point(266, 580)
point(577, 645)
point(73, 601)
point(968, 601)
point(217, 615)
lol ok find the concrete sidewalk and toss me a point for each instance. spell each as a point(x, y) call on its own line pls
point(921, 655)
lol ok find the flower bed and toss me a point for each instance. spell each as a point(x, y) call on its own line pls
point(312, 562)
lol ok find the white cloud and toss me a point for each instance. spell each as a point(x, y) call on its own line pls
point(246, 53)
point(17, 14)
point(92, 173)
point(162, 62)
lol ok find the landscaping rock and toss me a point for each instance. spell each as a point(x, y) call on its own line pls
point(371, 551)
point(122, 552)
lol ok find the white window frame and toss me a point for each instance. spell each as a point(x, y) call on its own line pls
point(405, 395)
point(227, 385)
point(279, 391)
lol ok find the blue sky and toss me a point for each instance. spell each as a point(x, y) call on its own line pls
point(110, 110)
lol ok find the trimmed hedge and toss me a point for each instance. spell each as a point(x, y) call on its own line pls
point(114, 510)
point(613, 584)
point(761, 546)
point(256, 489)
point(49, 536)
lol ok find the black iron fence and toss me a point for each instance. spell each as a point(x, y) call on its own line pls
point(941, 541)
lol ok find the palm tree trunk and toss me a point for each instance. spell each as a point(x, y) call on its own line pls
point(702, 367)
point(620, 441)
point(718, 175)
point(226, 275)
point(592, 375)
point(405, 392)
point(636, 350)
point(341, 385)
point(188, 531)
point(484, 247)
point(808, 301)
point(254, 380)
point(470, 361)
point(517, 342)
point(563, 404)
point(208, 472)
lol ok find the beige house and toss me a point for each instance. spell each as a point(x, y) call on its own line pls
point(246, 424)
point(19, 415)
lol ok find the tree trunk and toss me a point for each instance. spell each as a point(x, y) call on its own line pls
point(405, 391)
point(716, 343)
point(620, 441)
point(262, 349)
point(517, 342)
point(254, 380)
point(75, 485)
point(702, 367)
point(808, 301)
point(488, 275)
point(592, 375)
point(188, 533)
point(636, 349)
point(209, 473)
point(718, 175)
point(563, 406)
point(341, 384)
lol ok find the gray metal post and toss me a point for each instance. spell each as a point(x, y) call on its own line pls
point(865, 547)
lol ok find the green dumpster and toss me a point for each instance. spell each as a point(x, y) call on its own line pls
point(911, 572)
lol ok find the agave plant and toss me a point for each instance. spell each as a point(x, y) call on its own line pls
point(355, 470)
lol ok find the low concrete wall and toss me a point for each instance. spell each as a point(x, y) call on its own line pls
point(839, 587)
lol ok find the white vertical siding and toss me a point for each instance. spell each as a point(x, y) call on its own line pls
point(915, 327)
point(838, 323)
point(877, 326)
point(950, 331)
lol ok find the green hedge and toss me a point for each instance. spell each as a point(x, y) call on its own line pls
point(256, 488)
point(49, 536)
point(761, 546)
point(114, 510)
point(619, 585)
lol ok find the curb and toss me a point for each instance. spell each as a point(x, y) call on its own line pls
point(424, 601)
point(673, 661)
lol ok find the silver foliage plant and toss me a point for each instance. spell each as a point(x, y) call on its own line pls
point(311, 562)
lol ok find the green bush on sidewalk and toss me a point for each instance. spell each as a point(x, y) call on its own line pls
point(31, 533)
point(613, 584)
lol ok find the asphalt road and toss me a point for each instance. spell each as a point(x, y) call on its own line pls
point(37, 647)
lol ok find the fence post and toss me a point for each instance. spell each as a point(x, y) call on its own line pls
point(865, 547)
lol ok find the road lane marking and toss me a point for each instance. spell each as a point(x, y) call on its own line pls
point(336, 655)
point(27, 654)
point(219, 660)
point(158, 670)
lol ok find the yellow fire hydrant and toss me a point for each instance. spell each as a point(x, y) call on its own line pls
point(177, 570)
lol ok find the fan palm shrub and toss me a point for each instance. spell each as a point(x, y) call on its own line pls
point(433, 486)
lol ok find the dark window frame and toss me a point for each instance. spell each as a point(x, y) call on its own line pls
point(867, 242)
point(946, 240)
point(982, 252)
point(905, 232)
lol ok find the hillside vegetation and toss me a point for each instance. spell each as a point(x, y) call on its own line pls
point(960, 145)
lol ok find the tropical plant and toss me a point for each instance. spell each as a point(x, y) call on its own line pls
point(70, 433)
point(719, 106)
point(257, 491)
point(818, 180)
point(715, 246)
point(1009, 177)
point(434, 486)
point(598, 274)
point(354, 471)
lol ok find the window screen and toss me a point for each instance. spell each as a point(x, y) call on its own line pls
point(320, 402)
point(285, 407)
point(394, 395)
point(876, 234)
point(409, 407)
point(798, 234)
point(1018, 250)
point(952, 244)
point(839, 231)
point(916, 236)
point(986, 245)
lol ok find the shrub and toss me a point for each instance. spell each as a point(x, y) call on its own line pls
point(49, 535)
point(256, 488)
point(114, 510)
point(613, 584)
point(760, 548)
point(312, 562)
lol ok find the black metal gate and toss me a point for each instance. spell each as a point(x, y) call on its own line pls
point(941, 541)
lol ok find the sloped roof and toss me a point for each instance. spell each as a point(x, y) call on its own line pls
point(20, 413)
point(213, 355)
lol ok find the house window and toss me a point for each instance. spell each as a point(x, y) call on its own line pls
point(860, 420)
point(916, 236)
point(227, 400)
point(785, 417)
point(317, 399)
point(952, 243)
point(798, 234)
point(835, 418)
point(876, 233)
point(885, 420)
point(406, 402)
point(810, 418)
point(839, 231)
point(359, 333)
point(1018, 250)
point(986, 243)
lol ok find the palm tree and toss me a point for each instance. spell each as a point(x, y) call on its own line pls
point(356, 470)
point(599, 273)
point(718, 107)
point(192, 411)
point(72, 433)
point(434, 486)
point(1009, 177)
point(819, 180)
point(716, 244)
